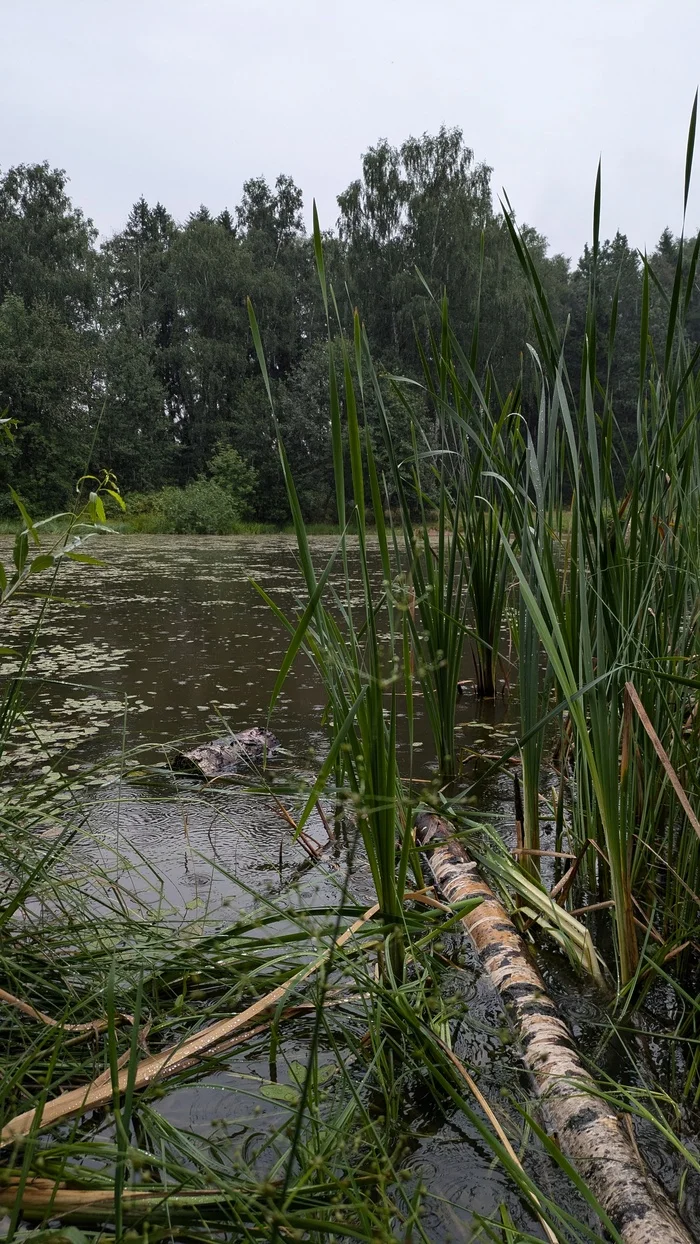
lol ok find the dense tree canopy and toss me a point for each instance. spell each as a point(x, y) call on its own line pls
point(136, 353)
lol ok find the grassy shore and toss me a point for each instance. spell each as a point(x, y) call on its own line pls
point(127, 527)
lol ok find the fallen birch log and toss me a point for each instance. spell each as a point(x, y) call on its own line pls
point(586, 1128)
point(222, 756)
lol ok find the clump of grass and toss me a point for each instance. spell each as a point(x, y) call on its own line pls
point(356, 647)
point(316, 1145)
point(622, 606)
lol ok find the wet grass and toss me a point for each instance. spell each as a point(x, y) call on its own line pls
point(314, 1130)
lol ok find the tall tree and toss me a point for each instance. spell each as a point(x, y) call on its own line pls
point(137, 409)
point(48, 340)
point(417, 209)
point(143, 348)
point(46, 244)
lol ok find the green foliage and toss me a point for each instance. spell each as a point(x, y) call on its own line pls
point(208, 506)
point(46, 244)
point(46, 383)
point(201, 508)
point(138, 353)
point(233, 476)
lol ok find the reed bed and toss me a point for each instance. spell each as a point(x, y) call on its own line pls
point(113, 1002)
point(539, 514)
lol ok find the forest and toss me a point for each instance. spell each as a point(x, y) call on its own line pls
point(133, 353)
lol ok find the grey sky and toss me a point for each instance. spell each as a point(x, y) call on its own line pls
point(181, 100)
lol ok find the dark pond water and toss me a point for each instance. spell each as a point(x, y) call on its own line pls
point(170, 641)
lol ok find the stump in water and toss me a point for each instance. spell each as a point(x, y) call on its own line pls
point(586, 1128)
point(223, 756)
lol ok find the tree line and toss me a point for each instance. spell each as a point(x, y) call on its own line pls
point(135, 353)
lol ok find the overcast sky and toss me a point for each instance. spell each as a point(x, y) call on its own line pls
point(181, 100)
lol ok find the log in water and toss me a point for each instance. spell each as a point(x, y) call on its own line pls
point(586, 1128)
point(248, 749)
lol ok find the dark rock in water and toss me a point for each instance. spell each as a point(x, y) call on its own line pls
point(239, 751)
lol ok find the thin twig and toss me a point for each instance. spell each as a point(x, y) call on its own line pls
point(663, 756)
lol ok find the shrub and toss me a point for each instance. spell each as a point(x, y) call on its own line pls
point(202, 508)
point(233, 475)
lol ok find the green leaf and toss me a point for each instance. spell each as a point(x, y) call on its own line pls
point(116, 496)
point(689, 151)
point(280, 1092)
point(342, 730)
point(74, 1235)
point(297, 1071)
point(43, 562)
point(460, 910)
point(298, 637)
point(97, 508)
point(85, 557)
point(20, 551)
point(354, 443)
point(320, 266)
point(596, 214)
point(25, 515)
point(644, 327)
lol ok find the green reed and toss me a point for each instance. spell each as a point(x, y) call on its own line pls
point(315, 1144)
point(317, 1148)
point(609, 598)
point(470, 435)
point(358, 648)
point(624, 603)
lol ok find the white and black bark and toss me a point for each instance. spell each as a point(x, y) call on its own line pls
point(585, 1127)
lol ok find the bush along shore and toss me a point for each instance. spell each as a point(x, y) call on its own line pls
point(492, 524)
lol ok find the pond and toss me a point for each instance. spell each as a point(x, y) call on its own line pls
point(169, 640)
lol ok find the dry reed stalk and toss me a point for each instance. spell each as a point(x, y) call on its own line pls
point(632, 698)
point(93, 1025)
point(169, 1062)
point(42, 1196)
